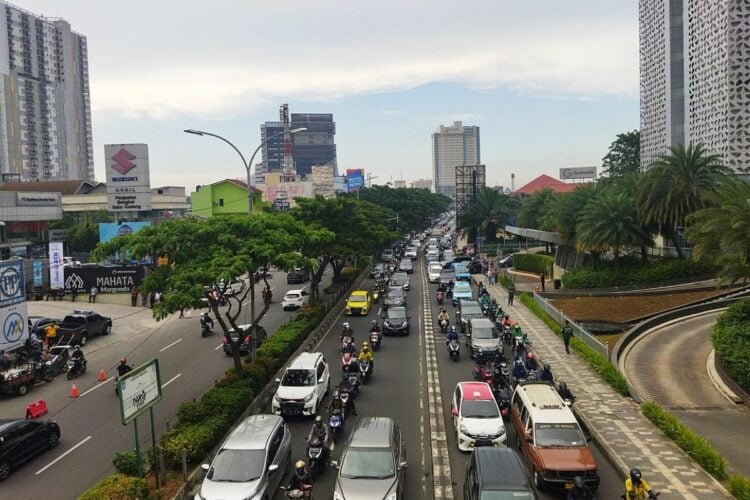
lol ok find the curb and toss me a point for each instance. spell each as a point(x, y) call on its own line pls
point(717, 382)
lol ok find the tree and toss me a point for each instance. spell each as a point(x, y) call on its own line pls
point(721, 231)
point(678, 185)
point(610, 221)
point(561, 211)
point(413, 206)
point(624, 155)
point(491, 209)
point(533, 211)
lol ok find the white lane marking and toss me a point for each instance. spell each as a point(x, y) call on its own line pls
point(171, 380)
point(61, 456)
point(170, 345)
point(98, 386)
point(218, 347)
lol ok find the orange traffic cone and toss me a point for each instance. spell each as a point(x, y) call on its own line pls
point(74, 391)
point(102, 376)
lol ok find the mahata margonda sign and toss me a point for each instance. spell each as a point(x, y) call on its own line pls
point(105, 279)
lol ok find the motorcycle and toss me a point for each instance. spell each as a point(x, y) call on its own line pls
point(315, 457)
point(439, 296)
point(375, 294)
point(346, 340)
point(650, 496)
point(206, 330)
point(267, 296)
point(502, 392)
point(454, 348)
point(483, 370)
point(76, 369)
point(305, 492)
point(507, 335)
point(350, 383)
point(365, 371)
point(444, 326)
point(336, 423)
point(375, 339)
point(348, 361)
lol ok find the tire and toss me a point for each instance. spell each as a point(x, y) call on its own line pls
point(70, 375)
point(52, 440)
point(107, 329)
point(48, 377)
point(83, 339)
point(21, 390)
point(4, 470)
point(538, 481)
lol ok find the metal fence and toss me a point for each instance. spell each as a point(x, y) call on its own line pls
point(578, 331)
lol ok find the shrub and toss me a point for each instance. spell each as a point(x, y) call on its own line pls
point(694, 445)
point(607, 276)
point(739, 487)
point(125, 463)
point(117, 487)
point(731, 339)
point(196, 440)
point(533, 263)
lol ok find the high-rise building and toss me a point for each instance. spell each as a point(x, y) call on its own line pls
point(422, 184)
point(45, 115)
point(694, 69)
point(453, 146)
point(314, 147)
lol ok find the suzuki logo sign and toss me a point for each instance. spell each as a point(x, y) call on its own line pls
point(123, 161)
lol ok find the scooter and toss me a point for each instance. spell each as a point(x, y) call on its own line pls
point(365, 371)
point(76, 369)
point(206, 330)
point(315, 457)
point(375, 339)
point(336, 423)
point(305, 492)
point(454, 349)
point(350, 383)
point(507, 335)
point(348, 361)
point(444, 326)
point(440, 296)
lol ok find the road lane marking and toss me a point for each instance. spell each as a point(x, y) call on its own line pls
point(171, 380)
point(170, 345)
point(98, 386)
point(61, 456)
point(218, 347)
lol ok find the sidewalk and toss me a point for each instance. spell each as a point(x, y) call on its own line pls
point(623, 433)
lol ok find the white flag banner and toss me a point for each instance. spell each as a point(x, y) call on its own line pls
point(56, 270)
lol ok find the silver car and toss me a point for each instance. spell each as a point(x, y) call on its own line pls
point(374, 462)
point(251, 462)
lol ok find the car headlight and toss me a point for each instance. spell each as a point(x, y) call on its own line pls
point(464, 430)
point(387, 324)
point(392, 496)
point(404, 325)
point(308, 397)
point(337, 496)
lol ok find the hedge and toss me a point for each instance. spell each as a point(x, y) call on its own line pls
point(118, 487)
point(606, 276)
point(739, 486)
point(731, 339)
point(533, 263)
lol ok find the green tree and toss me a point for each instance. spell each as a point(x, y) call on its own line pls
point(610, 221)
point(561, 211)
point(413, 206)
point(624, 155)
point(721, 231)
point(492, 209)
point(533, 211)
point(678, 185)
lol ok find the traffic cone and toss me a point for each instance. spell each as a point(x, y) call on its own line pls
point(74, 391)
point(102, 376)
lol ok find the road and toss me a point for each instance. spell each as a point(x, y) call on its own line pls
point(90, 425)
point(400, 388)
point(668, 366)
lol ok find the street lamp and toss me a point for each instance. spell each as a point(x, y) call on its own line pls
point(248, 166)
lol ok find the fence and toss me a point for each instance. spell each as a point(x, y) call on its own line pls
point(578, 331)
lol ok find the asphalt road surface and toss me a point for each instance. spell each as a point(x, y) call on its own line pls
point(90, 425)
point(399, 389)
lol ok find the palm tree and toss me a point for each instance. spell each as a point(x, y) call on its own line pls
point(563, 210)
point(490, 210)
point(534, 210)
point(677, 185)
point(610, 221)
point(721, 231)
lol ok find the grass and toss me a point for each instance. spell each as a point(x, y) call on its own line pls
point(739, 486)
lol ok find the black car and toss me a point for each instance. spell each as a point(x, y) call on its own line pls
point(77, 328)
point(297, 276)
point(496, 473)
point(37, 324)
point(395, 297)
point(396, 321)
point(21, 440)
point(246, 341)
point(466, 310)
point(475, 267)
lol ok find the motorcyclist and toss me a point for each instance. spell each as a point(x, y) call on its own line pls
point(123, 367)
point(301, 479)
point(546, 375)
point(506, 321)
point(531, 362)
point(206, 321)
point(443, 315)
point(442, 288)
point(337, 404)
point(348, 347)
point(347, 331)
point(374, 326)
point(579, 491)
point(320, 430)
point(452, 335)
point(519, 370)
point(636, 487)
point(564, 392)
point(365, 354)
point(77, 357)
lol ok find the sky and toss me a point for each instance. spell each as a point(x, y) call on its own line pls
point(550, 83)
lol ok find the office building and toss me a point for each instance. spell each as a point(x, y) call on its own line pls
point(45, 116)
point(453, 146)
point(694, 69)
point(422, 184)
point(314, 147)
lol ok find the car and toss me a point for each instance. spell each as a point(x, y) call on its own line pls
point(251, 462)
point(400, 279)
point(448, 255)
point(373, 463)
point(476, 416)
point(22, 439)
point(406, 266)
point(447, 276)
point(475, 267)
point(395, 321)
point(37, 324)
point(462, 291)
point(433, 272)
point(294, 299)
point(483, 337)
point(467, 259)
point(395, 297)
point(411, 252)
point(496, 473)
point(303, 386)
point(505, 261)
point(466, 310)
point(243, 337)
point(378, 268)
point(298, 275)
point(359, 303)
point(387, 255)
point(462, 272)
point(234, 286)
point(78, 327)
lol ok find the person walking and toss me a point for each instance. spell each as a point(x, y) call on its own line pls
point(134, 296)
point(92, 295)
point(511, 294)
point(567, 333)
point(541, 278)
point(73, 293)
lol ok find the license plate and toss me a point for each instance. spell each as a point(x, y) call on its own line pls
point(567, 486)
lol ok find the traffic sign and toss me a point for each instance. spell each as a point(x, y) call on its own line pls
point(139, 390)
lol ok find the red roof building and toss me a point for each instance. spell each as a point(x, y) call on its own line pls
point(545, 182)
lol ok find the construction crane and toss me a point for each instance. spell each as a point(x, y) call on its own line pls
point(289, 173)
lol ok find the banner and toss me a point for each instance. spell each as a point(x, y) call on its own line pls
point(38, 270)
point(108, 230)
point(12, 283)
point(105, 279)
point(56, 276)
point(13, 315)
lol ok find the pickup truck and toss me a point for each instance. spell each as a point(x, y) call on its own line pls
point(78, 327)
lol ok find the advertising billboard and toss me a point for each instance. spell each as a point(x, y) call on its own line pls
point(105, 279)
point(288, 191)
point(108, 230)
point(13, 315)
point(139, 390)
point(339, 183)
point(128, 179)
point(577, 173)
point(56, 277)
point(355, 179)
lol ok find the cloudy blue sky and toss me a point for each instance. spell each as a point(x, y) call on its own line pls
point(549, 82)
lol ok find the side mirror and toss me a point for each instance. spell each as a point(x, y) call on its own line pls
point(402, 465)
point(334, 464)
point(205, 467)
point(454, 412)
point(277, 380)
point(320, 380)
point(273, 468)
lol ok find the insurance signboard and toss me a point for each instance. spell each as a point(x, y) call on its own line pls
point(139, 390)
point(577, 173)
point(128, 177)
point(56, 263)
point(13, 315)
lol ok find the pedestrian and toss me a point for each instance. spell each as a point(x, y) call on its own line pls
point(92, 294)
point(511, 293)
point(182, 312)
point(541, 278)
point(144, 299)
point(567, 333)
point(134, 296)
point(73, 293)
point(153, 299)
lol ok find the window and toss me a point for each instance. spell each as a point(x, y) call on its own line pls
point(524, 416)
point(221, 202)
point(321, 370)
point(273, 447)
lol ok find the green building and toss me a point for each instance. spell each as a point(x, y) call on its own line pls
point(225, 197)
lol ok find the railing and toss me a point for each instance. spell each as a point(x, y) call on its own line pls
point(578, 331)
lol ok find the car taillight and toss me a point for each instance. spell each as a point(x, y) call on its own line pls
point(246, 340)
point(223, 340)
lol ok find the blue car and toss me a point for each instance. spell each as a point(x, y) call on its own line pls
point(462, 291)
point(461, 271)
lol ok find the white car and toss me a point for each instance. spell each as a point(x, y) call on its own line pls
point(433, 255)
point(433, 272)
point(294, 299)
point(410, 253)
point(476, 416)
point(305, 383)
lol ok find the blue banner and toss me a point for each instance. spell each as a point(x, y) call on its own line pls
point(38, 273)
point(109, 230)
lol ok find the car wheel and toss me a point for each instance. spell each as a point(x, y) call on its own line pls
point(538, 481)
point(52, 440)
point(22, 390)
point(4, 470)
point(107, 330)
point(328, 388)
point(82, 340)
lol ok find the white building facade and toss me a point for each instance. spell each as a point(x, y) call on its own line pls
point(45, 113)
point(452, 146)
point(695, 77)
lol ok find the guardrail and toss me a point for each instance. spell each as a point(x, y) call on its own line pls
point(578, 331)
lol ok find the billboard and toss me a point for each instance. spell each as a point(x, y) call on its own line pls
point(139, 390)
point(355, 179)
point(339, 184)
point(577, 173)
point(108, 230)
point(56, 277)
point(128, 181)
point(13, 315)
point(288, 191)
point(470, 179)
point(26, 199)
point(105, 279)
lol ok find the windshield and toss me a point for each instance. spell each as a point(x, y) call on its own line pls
point(483, 333)
point(559, 435)
point(396, 315)
point(436, 268)
point(237, 466)
point(298, 378)
point(357, 298)
point(506, 495)
point(292, 296)
point(368, 463)
point(472, 309)
point(396, 293)
point(479, 409)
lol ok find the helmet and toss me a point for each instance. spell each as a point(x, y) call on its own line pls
point(318, 419)
point(517, 326)
point(300, 464)
point(453, 329)
point(336, 397)
point(546, 366)
point(530, 355)
point(635, 476)
point(507, 316)
point(77, 348)
point(346, 325)
point(563, 387)
point(578, 483)
point(123, 361)
point(365, 344)
point(203, 314)
point(374, 322)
